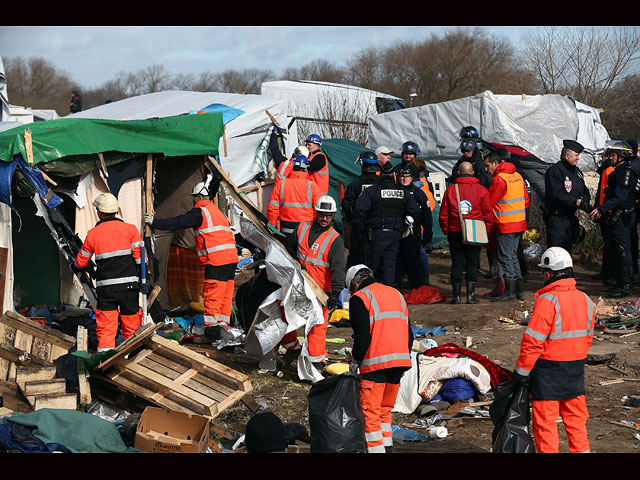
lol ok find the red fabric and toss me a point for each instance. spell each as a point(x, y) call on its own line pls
point(498, 189)
point(475, 194)
point(424, 294)
point(496, 372)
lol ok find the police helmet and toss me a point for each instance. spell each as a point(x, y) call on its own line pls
point(410, 147)
point(621, 148)
point(468, 145)
point(469, 132)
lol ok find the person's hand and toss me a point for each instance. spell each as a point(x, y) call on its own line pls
point(521, 378)
point(428, 247)
point(595, 214)
point(332, 301)
point(353, 366)
point(145, 288)
point(73, 267)
point(148, 218)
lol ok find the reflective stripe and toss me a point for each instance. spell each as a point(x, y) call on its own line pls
point(559, 334)
point(367, 362)
point(85, 254)
point(217, 248)
point(137, 244)
point(115, 253)
point(218, 228)
point(376, 449)
point(373, 436)
point(317, 259)
point(521, 371)
point(512, 200)
point(376, 309)
point(510, 212)
point(117, 281)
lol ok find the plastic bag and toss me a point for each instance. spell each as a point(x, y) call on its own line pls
point(336, 421)
point(510, 415)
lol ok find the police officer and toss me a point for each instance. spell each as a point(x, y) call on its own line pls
point(383, 211)
point(604, 170)
point(617, 211)
point(413, 238)
point(369, 168)
point(565, 192)
point(408, 152)
point(470, 146)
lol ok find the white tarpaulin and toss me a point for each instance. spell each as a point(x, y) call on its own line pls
point(241, 150)
point(536, 123)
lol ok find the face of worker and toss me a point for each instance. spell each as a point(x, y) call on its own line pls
point(405, 180)
point(467, 154)
point(613, 157)
point(313, 147)
point(196, 198)
point(324, 219)
point(490, 166)
point(572, 157)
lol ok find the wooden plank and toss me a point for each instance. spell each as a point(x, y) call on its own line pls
point(15, 402)
point(19, 357)
point(35, 329)
point(34, 374)
point(130, 344)
point(4, 255)
point(84, 390)
point(28, 145)
point(148, 194)
point(62, 401)
point(42, 387)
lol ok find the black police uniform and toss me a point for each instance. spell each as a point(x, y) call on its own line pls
point(484, 178)
point(409, 250)
point(564, 185)
point(619, 215)
point(357, 238)
point(380, 212)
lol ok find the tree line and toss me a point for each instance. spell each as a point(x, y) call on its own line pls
point(593, 65)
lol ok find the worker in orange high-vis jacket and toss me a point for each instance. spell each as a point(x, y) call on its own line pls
point(218, 253)
point(509, 198)
point(553, 352)
point(382, 340)
point(320, 251)
point(116, 246)
point(294, 201)
point(318, 163)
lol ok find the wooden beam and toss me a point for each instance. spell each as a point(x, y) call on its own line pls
point(28, 145)
point(84, 397)
point(148, 196)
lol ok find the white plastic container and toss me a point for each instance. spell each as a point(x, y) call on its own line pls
point(437, 432)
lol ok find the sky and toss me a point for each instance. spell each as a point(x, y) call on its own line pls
point(93, 55)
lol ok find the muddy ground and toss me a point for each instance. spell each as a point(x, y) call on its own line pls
point(614, 364)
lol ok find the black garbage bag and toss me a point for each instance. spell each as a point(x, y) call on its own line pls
point(336, 421)
point(510, 415)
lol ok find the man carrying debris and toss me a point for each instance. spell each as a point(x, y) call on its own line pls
point(617, 211)
point(116, 245)
point(382, 340)
point(509, 199)
point(320, 251)
point(216, 248)
point(293, 202)
point(553, 352)
point(565, 193)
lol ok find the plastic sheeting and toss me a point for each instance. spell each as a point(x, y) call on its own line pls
point(536, 123)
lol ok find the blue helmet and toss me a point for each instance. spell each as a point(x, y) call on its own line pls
point(301, 161)
point(469, 132)
point(368, 157)
point(468, 145)
point(314, 138)
point(410, 147)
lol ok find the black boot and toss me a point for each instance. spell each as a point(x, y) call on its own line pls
point(620, 291)
point(509, 294)
point(457, 288)
point(471, 293)
point(520, 288)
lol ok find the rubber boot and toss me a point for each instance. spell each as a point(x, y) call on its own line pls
point(457, 288)
point(520, 288)
point(498, 289)
point(509, 294)
point(471, 293)
point(620, 291)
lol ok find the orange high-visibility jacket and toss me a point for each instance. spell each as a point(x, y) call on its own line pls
point(554, 346)
point(389, 326)
point(215, 241)
point(509, 208)
point(315, 259)
point(603, 183)
point(295, 200)
point(320, 177)
point(116, 245)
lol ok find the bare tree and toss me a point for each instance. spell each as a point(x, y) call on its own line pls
point(319, 70)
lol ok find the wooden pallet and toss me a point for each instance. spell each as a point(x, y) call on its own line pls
point(172, 376)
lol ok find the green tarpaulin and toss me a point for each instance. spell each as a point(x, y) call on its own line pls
point(180, 135)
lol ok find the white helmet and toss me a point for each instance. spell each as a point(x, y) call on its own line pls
point(106, 203)
point(555, 258)
point(327, 204)
point(301, 150)
point(200, 189)
point(351, 273)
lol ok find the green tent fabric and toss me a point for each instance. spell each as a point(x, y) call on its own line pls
point(172, 136)
point(80, 432)
point(343, 168)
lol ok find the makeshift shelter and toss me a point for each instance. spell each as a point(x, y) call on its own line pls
point(62, 165)
point(536, 124)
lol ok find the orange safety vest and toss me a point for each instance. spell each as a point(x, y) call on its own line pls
point(511, 207)
point(321, 177)
point(214, 236)
point(389, 327)
point(295, 200)
point(432, 201)
point(116, 246)
point(315, 258)
point(603, 183)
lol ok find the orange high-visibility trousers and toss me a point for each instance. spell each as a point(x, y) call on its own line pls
point(574, 415)
point(107, 327)
point(316, 339)
point(218, 301)
point(377, 401)
point(289, 340)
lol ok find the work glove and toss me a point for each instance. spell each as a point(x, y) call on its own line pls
point(353, 366)
point(524, 379)
point(73, 267)
point(148, 218)
point(145, 288)
point(332, 301)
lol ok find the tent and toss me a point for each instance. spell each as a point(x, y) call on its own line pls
point(535, 124)
point(63, 164)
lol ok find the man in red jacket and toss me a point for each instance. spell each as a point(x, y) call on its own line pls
point(509, 199)
point(474, 204)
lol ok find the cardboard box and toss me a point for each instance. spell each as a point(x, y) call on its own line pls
point(167, 431)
